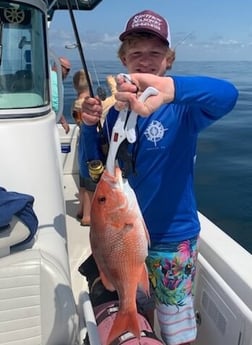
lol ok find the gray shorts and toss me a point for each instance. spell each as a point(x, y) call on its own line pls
point(87, 183)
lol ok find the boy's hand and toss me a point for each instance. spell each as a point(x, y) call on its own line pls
point(128, 93)
point(91, 111)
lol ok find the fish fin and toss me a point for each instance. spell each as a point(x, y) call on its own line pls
point(147, 234)
point(144, 283)
point(124, 322)
point(105, 281)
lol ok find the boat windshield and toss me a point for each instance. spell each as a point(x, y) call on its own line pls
point(23, 66)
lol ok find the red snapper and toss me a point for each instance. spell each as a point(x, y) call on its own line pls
point(119, 241)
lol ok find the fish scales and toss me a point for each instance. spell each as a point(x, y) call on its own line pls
point(119, 241)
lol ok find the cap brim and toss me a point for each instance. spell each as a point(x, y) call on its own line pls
point(126, 33)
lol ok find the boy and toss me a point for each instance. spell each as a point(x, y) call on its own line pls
point(163, 161)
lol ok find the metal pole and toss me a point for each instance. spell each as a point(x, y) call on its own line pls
point(80, 48)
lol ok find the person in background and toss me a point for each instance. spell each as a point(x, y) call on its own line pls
point(87, 186)
point(109, 101)
point(163, 160)
point(65, 69)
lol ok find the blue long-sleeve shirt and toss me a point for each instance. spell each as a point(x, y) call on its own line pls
point(164, 154)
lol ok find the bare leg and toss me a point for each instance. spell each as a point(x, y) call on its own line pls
point(87, 199)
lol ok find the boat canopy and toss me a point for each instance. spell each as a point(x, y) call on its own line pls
point(82, 5)
point(75, 4)
point(24, 64)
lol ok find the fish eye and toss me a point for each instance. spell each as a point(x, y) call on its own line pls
point(101, 199)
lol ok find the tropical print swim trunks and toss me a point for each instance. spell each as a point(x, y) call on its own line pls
point(171, 270)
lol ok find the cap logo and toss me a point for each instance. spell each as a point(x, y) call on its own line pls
point(150, 22)
point(147, 20)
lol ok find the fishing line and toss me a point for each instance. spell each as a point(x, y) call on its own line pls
point(79, 46)
point(83, 61)
point(183, 39)
point(101, 92)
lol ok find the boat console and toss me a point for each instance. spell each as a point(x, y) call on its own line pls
point(37, 304)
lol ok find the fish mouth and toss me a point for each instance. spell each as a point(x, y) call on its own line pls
point(118, 183)
point(115, 181)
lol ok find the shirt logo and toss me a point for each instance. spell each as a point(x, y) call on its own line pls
point(155, 132)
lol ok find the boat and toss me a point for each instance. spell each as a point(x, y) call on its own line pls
point(44, 299)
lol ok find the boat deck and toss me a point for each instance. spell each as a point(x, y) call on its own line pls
point(223, 284)
point(78, 236)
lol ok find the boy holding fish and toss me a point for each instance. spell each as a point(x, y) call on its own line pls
point(162, 160)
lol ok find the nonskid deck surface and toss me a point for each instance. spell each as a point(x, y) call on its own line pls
point(78, 236)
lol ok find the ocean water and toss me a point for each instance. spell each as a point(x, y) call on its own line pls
point(223, 175)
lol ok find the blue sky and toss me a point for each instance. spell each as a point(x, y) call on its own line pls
point(200, 29)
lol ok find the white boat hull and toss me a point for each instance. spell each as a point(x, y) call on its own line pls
point(223, 295)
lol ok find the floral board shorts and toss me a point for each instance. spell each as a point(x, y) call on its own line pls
point(172, 269)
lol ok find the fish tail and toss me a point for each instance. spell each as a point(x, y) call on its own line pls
point(124, 322)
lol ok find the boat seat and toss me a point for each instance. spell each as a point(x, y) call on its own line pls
point(22, 81)
point(36, 301)
point(17, 232)
point(37, 305)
